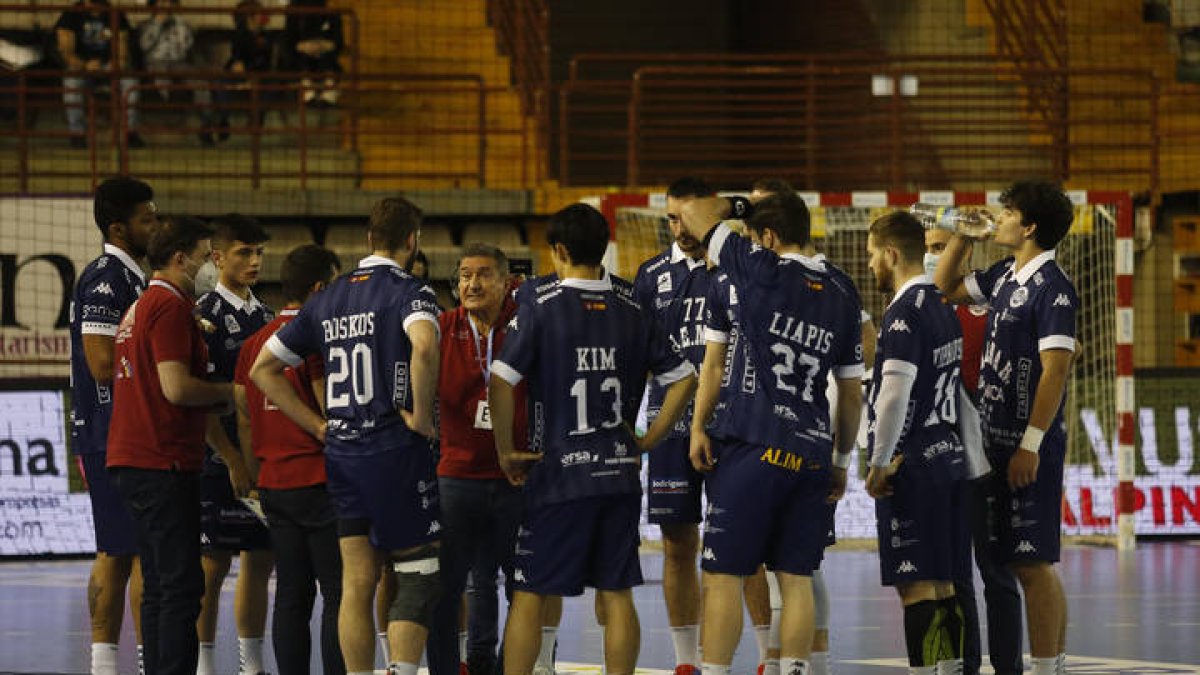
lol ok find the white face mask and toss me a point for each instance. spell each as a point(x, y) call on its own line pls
point(931, 261)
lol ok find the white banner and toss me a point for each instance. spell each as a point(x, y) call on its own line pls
point(44, 245)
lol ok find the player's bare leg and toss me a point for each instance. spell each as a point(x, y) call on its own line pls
point(622, 631)
point(795, 620)
point(216, 567)
point(722, 618)
point(1045, 611)
point(385, 595)
point(250, 606)
point(681, 588)
point(356, 629)
point(819, 659)
point(106, 607)
point(552, 607)
point(758, 605)
point(523, 632)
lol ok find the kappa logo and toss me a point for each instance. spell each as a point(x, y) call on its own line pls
point(512, 325)
point(708, 554)
point(906, 567)
point(103, 288)
point(434, 527)
point(231, 324)
point(664, 282)
point(899, 326)
point(1062, 301)
point(519, 576)
point(1025, 547)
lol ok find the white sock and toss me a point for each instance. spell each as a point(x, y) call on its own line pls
point(141, 660)
point(1061, 666)
point(922, 670)
point(398, 668)
point(773, 641)
point(714, 669)
point(362, 672)
point(204, 664)
point(104, 658)
point(1046, 666)
point(546, 654)
point(250, 656)
point(950, 667)
point(762, 635)
point(819, 663)
point(771, 667)
point(790, 665)
point(383, 645)
point(687, 645)
point(462, 646)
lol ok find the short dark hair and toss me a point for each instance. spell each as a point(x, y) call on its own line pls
point(775, 186)
point(582, 230)
point(116, 200)
point(1044, 204)
point(786, 215)
point(233, 227)
point(901, 230)
point(479, 250)
point(689, 186)
point(180, 235)
point(304, 266)
point(392, 220)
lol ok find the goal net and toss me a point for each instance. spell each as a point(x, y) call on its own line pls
point(839, 225)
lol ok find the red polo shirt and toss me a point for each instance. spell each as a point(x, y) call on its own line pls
point(147, 430)
point(467, 444)
point(289, 457)
point(974, 325)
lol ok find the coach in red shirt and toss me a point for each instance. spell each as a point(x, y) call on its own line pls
point(480, 509)
point(291, 481)
point(156, 440)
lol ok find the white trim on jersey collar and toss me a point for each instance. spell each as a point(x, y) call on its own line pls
point(813, 263)
point(377, 260)
point(1026, 273)
point(919, 279)
point(237, 303)
point(678, 256)
point(116, 252)
point(289, 312)
point(603, 284)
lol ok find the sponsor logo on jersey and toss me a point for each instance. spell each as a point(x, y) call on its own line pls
point(906, 567)
point(1062, 301)
point(1025, 547)
point(103, 288)
point(784, 460)
point(1019, 297)
point(519, 576)
point(231, 324)
point(899, 326)
point(664, 282)
point(708, 554)
point(434, 527)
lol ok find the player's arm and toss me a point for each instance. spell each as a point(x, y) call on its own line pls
point(180, 387)
point(891, 407)
point(426, 360)
point(869, 339)
point(245, 437)
point(845, 427)
point(948, 276)
point(267, 373)
point(318, 389)
point(219, 441)
point(708, 391)
point(1051, 387)
point(675, 401)
point(98, 353)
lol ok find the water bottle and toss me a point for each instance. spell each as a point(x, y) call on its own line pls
point(975, 223)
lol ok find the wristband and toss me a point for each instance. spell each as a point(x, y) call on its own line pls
point(841, 460)
point(1032, 440)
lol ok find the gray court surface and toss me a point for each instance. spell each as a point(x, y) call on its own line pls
point(1130, 613)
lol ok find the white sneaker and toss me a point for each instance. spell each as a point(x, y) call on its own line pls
point(541, 669)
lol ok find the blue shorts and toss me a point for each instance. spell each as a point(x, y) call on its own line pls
point(831, 523)
point(225, 523)
point(390, 496)
point(563, 548)
point(116, 531)
point(922, 531)
point(764, 506)
point(1026, 524)
point(674, 486)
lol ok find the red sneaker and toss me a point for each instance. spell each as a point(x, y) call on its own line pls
point(462, 668)
point(762, 667)
point(686, 669)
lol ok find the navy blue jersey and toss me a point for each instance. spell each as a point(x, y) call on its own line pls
point(1031, 311)
point(359, 326)
point(586, 348)
point(787, 326)
point(227, 322)
point(920, 336)
point(674, 289)
point(105, 289)
point(842, 279)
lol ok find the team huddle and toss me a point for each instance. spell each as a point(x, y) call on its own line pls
point(393, 445)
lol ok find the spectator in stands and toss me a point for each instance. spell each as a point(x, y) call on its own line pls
point(316, 41)
point(89, 52)
point(166, 41)
point(252, 52)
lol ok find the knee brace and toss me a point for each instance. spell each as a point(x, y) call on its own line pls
point(418, 587)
